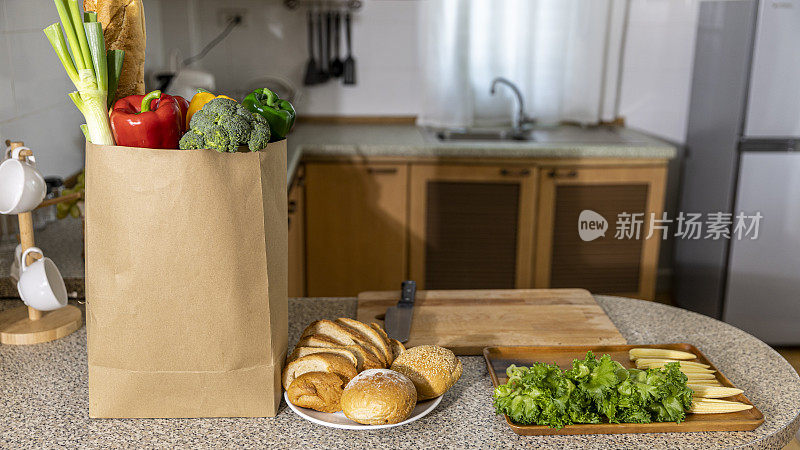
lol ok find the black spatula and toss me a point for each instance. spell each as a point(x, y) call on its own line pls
point(337, 66)
point(311, 76)
point(349, 63)
point(322, 68)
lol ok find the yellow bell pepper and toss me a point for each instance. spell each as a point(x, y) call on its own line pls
point(198, 101)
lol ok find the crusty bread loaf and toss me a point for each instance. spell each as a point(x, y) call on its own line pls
point(343, 335)
point(318, 362)
point(431, 368)
point(299, 352)
point(320, 391)
point(379, 396)
point(124, 29)
point(397, 348)
point(372, 336)
point(366, 360)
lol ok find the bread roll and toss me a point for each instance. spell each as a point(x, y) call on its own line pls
point(124, 29)
point(366, 360)
point(342, 335)
point(397, 347)
point(319, 362)
point(431, 368)
point(378, 397)
point(320, 391)
point(300, 351)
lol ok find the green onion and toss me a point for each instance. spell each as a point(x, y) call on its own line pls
point(86, 66)
point(69, 29)
point(114, 64)
point(56, 38)
point(94, 36)
point(89, 17)
point(77, 22)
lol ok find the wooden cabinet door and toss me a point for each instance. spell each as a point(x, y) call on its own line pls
point(297, 257)
point(355, 227)
point(471, 227)
point(605, 265)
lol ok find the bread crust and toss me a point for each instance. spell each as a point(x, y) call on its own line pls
point(378, 397)
point(320, 391)
point(431, 368)
point(366, 360)
point(397, 348)
point(343, 335)
point(124, 29)
point(300, 351)
point(318, 362)
point(371, 335)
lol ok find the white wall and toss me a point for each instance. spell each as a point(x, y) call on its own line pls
point(273, 42)
point(34, 106)
point(657, 67)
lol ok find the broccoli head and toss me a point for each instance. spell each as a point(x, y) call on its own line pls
point(192, 139)
point(224, 125)
point(259, 137)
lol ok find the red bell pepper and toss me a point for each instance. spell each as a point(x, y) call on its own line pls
point(183, 104)
point(149, 121)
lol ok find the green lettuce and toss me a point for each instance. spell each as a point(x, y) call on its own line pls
point(592, 391)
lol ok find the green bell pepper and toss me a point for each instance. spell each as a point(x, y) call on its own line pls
point(279, 113)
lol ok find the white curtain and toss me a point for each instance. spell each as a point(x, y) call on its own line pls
point(560, 53)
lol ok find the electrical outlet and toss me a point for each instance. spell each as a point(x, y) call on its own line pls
point(225, 15)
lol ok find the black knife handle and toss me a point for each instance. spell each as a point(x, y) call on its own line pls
point(407, 292)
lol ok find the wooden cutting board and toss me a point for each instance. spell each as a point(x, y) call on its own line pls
point(499, 358)
point(468, 321)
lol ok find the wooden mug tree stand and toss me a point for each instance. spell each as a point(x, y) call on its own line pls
point(24, 325)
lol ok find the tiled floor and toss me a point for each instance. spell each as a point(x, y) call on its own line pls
point(792, 354)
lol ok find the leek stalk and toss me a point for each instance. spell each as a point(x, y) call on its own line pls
point(86, 66)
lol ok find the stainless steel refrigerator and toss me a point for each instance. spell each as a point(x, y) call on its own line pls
point(743, 155)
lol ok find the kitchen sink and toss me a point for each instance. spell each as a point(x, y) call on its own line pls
point(484, 135)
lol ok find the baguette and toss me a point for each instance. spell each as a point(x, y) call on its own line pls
point(372, 336)
point(299, 352)
point(343, 335)
point(365, 360)
point(124, 29)
point(395, 346)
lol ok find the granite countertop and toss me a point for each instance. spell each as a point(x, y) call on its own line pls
point(410, 141)
point(44, 401)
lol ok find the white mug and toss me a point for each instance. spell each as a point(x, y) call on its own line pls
point(40, 283)
point(22, 187)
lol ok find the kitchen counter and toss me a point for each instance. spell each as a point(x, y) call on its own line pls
point(62, 240)
point(44, 400)
point(410, 141)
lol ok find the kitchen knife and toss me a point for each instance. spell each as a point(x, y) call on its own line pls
point(398, 318)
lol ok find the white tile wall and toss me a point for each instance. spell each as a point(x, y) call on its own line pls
point(34, 106)
point(656, 74)
point(274, 43)
point(657, 69)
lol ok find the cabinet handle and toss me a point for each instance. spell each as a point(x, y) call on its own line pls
point(556, 174)
point(515, 173)
point(381, 170)
point(292, 206)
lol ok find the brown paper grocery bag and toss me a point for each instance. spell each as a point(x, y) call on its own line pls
point(186, 255)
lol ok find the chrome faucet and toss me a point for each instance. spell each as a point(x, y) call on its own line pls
point(521, 119)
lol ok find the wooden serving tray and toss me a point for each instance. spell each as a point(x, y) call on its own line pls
point(499, 358)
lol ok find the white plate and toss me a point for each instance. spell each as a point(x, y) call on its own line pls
point(339, 420)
